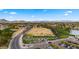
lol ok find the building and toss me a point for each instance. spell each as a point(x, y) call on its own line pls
point(75, 33)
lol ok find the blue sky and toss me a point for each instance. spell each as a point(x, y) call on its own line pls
point(40, 14)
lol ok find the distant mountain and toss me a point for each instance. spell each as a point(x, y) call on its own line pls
point(23, 21)
point(19, 21)
point(3, 20)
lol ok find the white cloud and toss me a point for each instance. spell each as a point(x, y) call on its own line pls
point(69, 11)
point(12, 13)
point(5, 12)
point(32, 16)
point(66, 14)
point(9, 17)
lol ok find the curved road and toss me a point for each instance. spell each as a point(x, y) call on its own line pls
point(15, 42)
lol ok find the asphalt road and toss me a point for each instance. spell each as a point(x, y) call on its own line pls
point(15, 42)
